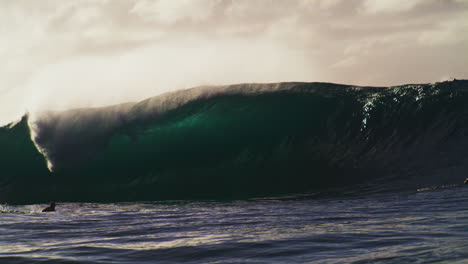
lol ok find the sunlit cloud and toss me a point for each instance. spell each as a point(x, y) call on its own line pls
point(169, 11)
point(61, 54)
point(384, 6)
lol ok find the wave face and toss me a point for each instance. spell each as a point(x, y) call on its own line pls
point(241, 141)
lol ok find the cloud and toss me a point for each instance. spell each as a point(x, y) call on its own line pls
point(324, 4)
point(447, 33)
point(95, 52)
point(382, 6)
point(346, 63)
point(169, 11)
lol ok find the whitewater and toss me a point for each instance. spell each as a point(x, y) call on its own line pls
point(245, 173)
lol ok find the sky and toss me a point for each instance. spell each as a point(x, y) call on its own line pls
point(58, 54)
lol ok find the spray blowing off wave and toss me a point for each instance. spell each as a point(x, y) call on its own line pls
point(241, 141)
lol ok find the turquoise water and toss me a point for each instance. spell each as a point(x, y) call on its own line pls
point(425, 226)
point(248, 173)
point(240, 141)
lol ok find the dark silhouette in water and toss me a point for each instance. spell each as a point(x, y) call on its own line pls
point(51, 208)
point(466, 181)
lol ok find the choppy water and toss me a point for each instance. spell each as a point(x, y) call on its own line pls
point(425, 226)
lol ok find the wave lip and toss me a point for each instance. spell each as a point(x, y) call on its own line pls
point(241, 141)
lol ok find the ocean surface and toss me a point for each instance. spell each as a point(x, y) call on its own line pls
point(245, 173)
point(425, 226)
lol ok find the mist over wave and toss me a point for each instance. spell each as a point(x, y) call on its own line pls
point(244, 140)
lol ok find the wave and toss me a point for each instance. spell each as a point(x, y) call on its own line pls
point(246, 140)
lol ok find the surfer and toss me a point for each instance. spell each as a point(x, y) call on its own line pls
point(466, 181)
point(51, 208)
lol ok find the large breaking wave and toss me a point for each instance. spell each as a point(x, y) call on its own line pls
point(241, 140)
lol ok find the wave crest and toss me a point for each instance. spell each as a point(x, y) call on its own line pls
point(244, 140)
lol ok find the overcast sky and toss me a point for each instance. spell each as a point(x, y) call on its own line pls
point(74, 53)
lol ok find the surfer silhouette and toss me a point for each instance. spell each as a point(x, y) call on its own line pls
point(466, 181)
point(51, 208)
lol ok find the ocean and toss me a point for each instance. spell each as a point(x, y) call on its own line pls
point(428, 226)
point(247, 173)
